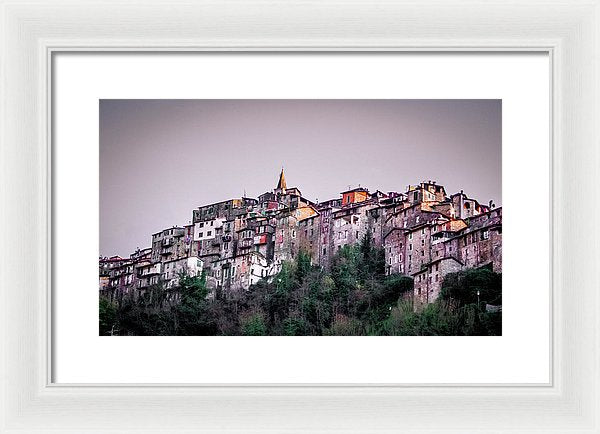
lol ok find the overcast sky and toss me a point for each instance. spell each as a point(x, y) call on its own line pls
point(160, 159)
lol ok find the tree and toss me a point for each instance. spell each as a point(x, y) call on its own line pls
point(192, 314)
point(461, 288)
point(372, 262)
point(107, 317)
point(468, 292)
point(254, 325)
point(302, 265)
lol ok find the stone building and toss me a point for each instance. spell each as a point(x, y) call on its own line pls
point(428, 280)
point(169, 244)
point(110, 272)
point(118, 276)
point(172, 269)
point(425, 234)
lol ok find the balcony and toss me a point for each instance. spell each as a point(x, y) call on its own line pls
point(166, 252)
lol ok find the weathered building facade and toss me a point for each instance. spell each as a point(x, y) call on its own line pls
point(425, 234)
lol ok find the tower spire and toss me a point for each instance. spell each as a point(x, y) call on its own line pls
point(281, 185)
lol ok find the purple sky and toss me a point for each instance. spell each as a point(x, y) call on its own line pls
point(160, 159)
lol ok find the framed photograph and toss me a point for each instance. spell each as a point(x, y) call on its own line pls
point(321, 217)
point(278, 263)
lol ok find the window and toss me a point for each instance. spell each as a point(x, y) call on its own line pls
point(410, 247)
point(201, 224)
point(357, 234)
point(410, 236)
point(324, 251)
point(200, 234)
point(485, 235)
point(415, 196)
point(209, 233)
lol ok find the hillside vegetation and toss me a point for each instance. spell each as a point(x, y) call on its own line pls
point(353, 298)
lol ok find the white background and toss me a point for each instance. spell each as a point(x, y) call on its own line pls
point(521, 355)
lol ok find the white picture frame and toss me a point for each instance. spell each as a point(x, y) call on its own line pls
point(32, 31)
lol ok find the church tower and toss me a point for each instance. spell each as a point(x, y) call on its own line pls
point(281, 185)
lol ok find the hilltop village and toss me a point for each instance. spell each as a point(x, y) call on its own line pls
point(425, 233)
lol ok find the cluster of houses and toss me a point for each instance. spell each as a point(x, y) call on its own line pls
point(426, 234)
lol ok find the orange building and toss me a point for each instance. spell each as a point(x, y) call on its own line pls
point(354, 196)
